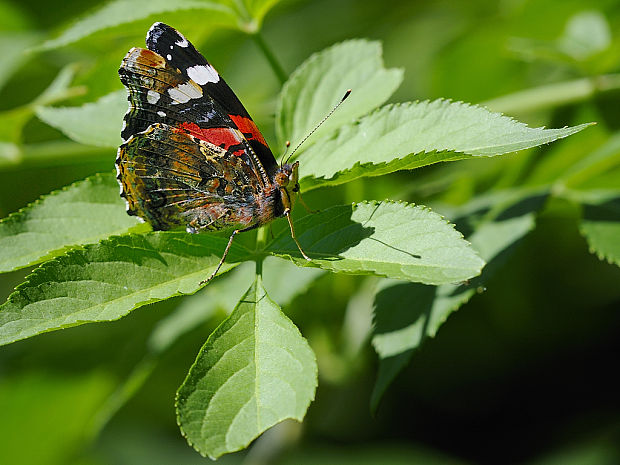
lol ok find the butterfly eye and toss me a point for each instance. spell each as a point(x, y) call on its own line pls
point(296, 188)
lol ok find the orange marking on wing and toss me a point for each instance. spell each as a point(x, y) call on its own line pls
point(223, 137)
point(247, 126)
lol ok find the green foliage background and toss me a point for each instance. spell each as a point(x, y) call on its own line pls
point(522, 373)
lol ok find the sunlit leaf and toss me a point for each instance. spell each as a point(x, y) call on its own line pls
point(121, 12)
point(321, 81)
point(391, 239)
point(254, 371)
point(82, 213)
point(97, 123)
point(412, 135)
point(105, 281)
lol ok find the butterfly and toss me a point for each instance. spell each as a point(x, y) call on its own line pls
point(191, 155)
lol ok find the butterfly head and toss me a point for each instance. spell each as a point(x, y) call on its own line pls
point(286, 179)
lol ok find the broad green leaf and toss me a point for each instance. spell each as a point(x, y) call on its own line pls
point(119, 13)
point(105, 281)
point(408, 313)
point(391, 239)
point(82, 213)
point(284, 280)
point(600, 225)
point(97, 123)
point(321, 81)
point(253, 372)
point(411, 135)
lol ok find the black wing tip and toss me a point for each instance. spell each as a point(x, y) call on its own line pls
point(159, 30)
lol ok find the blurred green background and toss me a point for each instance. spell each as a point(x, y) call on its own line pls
point(522, 374)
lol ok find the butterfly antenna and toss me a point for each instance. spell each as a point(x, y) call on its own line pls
point(288, 145)
point(346, 94)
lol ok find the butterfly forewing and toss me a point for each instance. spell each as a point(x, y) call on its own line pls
point(182, 55)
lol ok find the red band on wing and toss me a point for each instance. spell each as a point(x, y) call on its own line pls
point(247, 126)
point(222, 137)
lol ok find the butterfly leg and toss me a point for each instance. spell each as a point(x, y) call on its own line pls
point(219, 265)
point(308, 209)
point(287, 213)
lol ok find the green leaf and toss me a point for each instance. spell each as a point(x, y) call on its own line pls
point(12, 52)
point(119, 13)
point(391, 239)
point(97, 123)
point(253, 372)
point(251, 12)
point(586, 34)
point(105, 281)
point(600, 225)
point(82, 213)
point(589, 167)
point(285, 279)
point(408, 313)
point(411, 135)
point(13, 121)
point(321, 81)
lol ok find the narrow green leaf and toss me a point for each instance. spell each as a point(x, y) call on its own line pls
point(411, 135)
point(105, 281)
point(321, 81)
point(588, 167)
point(12, 52)
point(391, 239)
point(253, 372)
point(121, 12)
point(13, 121)
point(97, 123)
point(600, 225)
point(408, 313)
point(82, 213)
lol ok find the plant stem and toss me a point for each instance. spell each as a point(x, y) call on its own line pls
point(261, 241)
point(553, 95)
point(278, 70)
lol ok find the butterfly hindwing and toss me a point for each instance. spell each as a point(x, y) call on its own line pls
point(171, 178)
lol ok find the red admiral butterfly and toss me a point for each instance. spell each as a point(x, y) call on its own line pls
point(191, 155)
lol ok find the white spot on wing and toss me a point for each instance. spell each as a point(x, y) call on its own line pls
point(183, 93)
point(161, 113)
point(183, 42)
point(152, 97)
point(201, 74)
point(169, 57)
